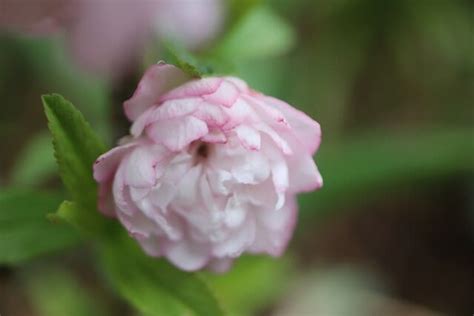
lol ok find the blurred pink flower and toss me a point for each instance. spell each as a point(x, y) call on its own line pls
point(105, 36)
point(211, 169)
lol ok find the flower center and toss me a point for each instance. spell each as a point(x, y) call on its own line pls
point(200, 152)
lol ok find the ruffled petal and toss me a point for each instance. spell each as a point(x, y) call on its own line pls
point(176, 134)
point(158, 79)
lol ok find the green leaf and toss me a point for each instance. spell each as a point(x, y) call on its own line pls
point(154, 286)
point(253, 283)
point(364, 166)
point(35, 163)
point(259, 34)
point(56, 292)
point(25, 232)
point(190, 64)
point(76, 147)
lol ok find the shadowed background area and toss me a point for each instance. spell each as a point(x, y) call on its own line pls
point(392, 84)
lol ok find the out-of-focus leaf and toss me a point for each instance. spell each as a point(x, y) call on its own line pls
point(361, 167)
point(35, 163)
point(251, 284)
point(25, 232)
point(259, 34)
point(55, 292)
point(155, 287)
point(239, 8)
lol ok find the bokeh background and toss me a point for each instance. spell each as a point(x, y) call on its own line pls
point(392, 84)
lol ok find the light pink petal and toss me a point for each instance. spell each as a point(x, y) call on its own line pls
point(304, 175)
point(225, 95)
point(176, 134)
point(306, 129)
point(249, 137)
point(167, 110)
point(186, 255)
point(275, 228)
point(106, 165)
point(194, 88)
point(239, 83)
point(212, 114)
point(140, 170)
point(238, 242)
point(158, 79)
point(105, 199)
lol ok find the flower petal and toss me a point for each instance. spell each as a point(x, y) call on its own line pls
point(158, 79)
point(176, 134)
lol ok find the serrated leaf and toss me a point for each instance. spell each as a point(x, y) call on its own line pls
point(25, 231)
point(259, 34)
point(76, 147)
point(155, 287)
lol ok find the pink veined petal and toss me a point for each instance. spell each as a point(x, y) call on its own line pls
point(122, 198)
point(105, 202)
point(159, 79)
point(251, 168)
point(194, 88)
point(212, 114)
point(166, 224)
point(281, 143)
point(275, 228)
point(176, 134)
point(304, 175)
point(151, 246)
point(167, 110)
point(268, 113)
point(239, 83)
point(140, 168)
point(225, 95)
point(106, 165)
point(234, 212)
point(305, 128)
point(238, 241)
point(186, 255)
point(138, 225)
point(249, 137)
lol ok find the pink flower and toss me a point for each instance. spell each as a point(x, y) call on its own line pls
point(211, 169)
point(106, 36)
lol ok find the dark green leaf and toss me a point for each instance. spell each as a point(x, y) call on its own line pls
point(25, 232)
point(154, 286)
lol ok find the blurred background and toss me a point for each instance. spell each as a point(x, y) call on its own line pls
point(391, 82)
